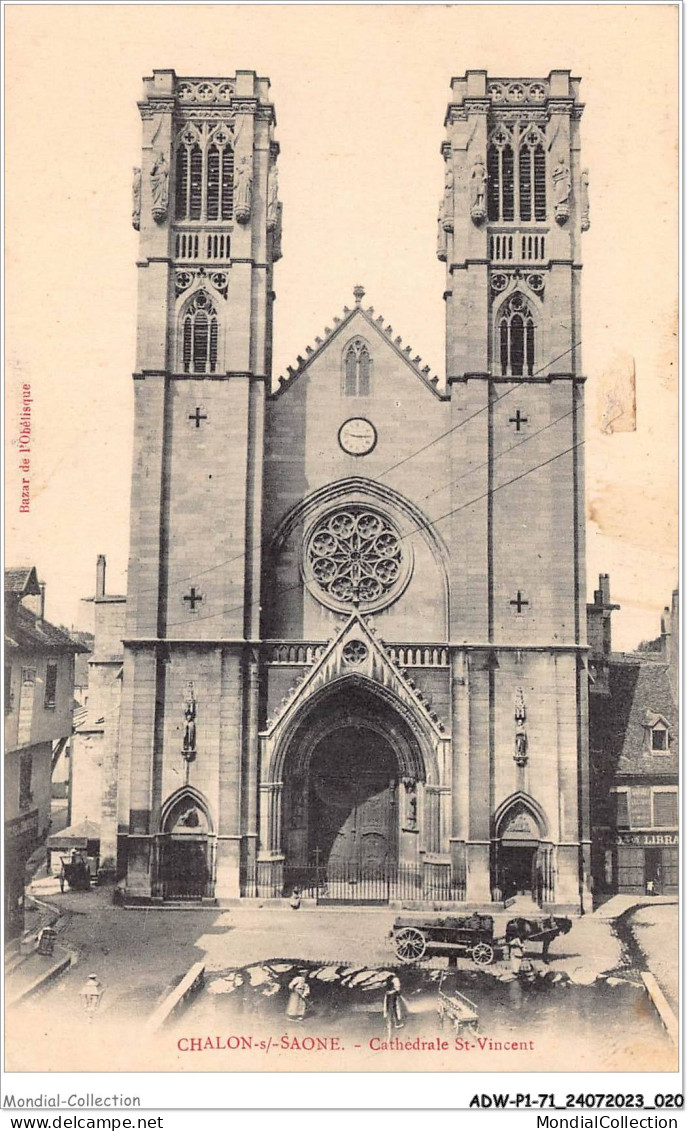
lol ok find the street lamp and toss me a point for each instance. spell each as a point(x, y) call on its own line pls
point(91, 994)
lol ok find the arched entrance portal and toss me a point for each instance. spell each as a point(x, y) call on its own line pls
point(353, 808)
point(185, 849)
point(523, 857)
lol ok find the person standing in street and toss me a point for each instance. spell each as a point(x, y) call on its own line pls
point(299, 992)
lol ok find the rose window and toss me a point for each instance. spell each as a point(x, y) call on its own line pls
point(355, 556)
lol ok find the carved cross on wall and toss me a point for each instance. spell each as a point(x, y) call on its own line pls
point(194, 597)
point(517, 420)
point(197, 416)
point(519, 602)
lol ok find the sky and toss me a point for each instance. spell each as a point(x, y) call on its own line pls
point(360, 93)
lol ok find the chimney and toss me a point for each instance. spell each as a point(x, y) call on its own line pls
point(604, 589)
point(674, 646)
point(35, 602)
point(599, 618)
point(100, 576)
point(665, 634)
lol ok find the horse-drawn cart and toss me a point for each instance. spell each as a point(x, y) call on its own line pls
point(75, 871)
point(470, 936)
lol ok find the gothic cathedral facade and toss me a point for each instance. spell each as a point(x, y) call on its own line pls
point(355, 647)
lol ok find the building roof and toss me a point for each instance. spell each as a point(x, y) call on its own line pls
point(640, 696)
point(22, 581)
point(24, 631)
point(88, 721)
point(76, 836)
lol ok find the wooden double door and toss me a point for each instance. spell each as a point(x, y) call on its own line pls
point(353, 822)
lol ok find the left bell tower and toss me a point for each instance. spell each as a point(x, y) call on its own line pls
point(205, 204)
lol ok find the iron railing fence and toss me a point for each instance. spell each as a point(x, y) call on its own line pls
point(353, 883)
point(183, 889)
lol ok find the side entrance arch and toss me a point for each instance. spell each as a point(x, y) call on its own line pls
point(522, 854)
point(185, 848)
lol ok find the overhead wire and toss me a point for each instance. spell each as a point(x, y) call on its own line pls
point(372, 479)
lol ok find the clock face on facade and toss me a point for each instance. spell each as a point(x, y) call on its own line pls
point(357, 436)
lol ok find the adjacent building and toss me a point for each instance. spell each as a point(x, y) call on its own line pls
point(62, 765)
point(91, 783)
point(634, 752)
point(355, 639)
point(39, 699)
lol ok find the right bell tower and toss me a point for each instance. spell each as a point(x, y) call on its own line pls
point(515, 204)
point(510, 223)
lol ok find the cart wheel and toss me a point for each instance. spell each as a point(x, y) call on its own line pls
point(483, 954)
point(410, 944)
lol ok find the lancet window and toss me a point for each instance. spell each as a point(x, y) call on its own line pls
point(199, 336)
point(204, 188)
point(357, 369)
point(516, 170)
point(516, 337)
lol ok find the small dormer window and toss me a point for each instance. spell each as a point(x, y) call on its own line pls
point(657, 732)
point(659, 739)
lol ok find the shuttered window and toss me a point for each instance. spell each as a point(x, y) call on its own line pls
point(50, 685)
point(665, 810)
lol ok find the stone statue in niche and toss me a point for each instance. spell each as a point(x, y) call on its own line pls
point(276, 235)
point(562, 187)
point(188, 749)
point(442, 242)
point(136, 200)
point(273, 200)
point(478, 186)
point(243, 189)
point(159, 187)
point(411, 803)
point(520, 754)
point(584, 199)
point(447, 207)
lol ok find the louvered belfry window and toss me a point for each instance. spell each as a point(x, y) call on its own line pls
point(516, 170)
point(204, 187)
point(516, 337)
point(199, 336)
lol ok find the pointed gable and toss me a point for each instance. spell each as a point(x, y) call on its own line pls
point(22, 581)
point(363, 322)
point(356, 650)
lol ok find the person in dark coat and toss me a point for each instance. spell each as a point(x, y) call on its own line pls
point(394, 1008)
